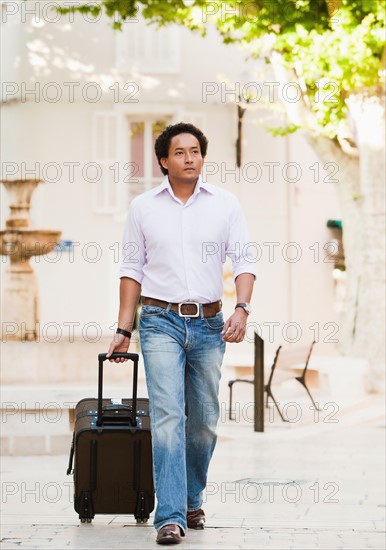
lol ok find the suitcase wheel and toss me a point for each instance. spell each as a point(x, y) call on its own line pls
point(86, 520)
point(142, 520)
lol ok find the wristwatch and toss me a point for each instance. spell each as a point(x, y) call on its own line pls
point(246, 307)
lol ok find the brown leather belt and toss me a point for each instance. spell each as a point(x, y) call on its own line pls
point(186, 309)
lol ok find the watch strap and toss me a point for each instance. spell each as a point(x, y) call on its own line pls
point(124, 332)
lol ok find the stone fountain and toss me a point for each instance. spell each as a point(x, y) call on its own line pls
point(20, 242)
point(41, 380)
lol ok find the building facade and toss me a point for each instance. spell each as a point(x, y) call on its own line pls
point(81, 107)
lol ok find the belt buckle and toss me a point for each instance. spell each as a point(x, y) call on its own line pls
point(189, 303)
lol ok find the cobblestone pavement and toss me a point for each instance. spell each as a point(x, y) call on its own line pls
point(315, 482)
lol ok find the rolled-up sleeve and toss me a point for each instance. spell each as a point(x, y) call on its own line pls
point(240, 249)
point(133, 246)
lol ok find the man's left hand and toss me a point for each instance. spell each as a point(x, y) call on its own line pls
point(235, 326)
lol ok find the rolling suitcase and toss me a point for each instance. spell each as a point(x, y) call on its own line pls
point(112, 454)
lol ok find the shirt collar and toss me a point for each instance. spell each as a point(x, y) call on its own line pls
point(166, 185)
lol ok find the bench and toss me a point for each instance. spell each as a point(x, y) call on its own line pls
point(289, 362)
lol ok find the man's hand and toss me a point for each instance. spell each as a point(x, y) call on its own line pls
point(235, 326)
point(120, 343)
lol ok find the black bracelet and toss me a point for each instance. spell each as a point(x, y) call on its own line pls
point(124, 332)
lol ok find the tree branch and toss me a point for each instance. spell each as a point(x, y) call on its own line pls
point(299, 113)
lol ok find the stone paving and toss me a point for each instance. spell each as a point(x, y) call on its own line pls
point(315, 482)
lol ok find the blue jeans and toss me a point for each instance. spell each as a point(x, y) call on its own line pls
point(182, 357)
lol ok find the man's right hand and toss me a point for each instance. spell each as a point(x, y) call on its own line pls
point(120, 343)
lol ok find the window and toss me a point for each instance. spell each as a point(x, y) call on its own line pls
point(145, 172)
point(124, 164)
point(143, 48)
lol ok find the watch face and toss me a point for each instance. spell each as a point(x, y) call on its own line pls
point(246, 307)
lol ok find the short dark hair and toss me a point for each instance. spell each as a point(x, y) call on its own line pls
point(162, 143)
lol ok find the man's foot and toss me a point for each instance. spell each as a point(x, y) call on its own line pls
point(169, 534)
point(196, 519)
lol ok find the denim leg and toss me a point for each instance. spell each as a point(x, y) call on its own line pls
point(164, 358)
point(203, 372)
point(182, 363)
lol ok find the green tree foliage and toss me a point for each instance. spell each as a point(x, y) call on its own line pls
point(335, 47)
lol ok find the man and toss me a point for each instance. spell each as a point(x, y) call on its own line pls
point(176, 239)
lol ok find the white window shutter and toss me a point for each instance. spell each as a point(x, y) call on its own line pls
point(143, 48)
point(105, 196)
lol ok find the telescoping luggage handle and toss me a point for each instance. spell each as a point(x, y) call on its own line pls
point(133, 357)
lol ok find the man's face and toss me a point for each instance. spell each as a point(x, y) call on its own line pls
point(184, 161)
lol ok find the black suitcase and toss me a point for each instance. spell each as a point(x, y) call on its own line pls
point(111, 446)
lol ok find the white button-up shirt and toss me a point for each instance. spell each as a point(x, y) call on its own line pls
point(176, 251)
